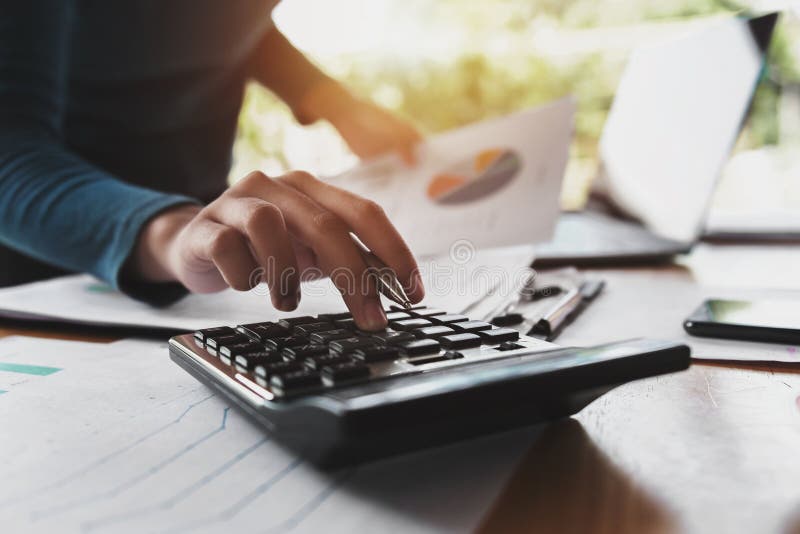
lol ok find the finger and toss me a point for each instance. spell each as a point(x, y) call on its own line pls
point(224, 258)
point(229, 251)
point(371, 225)
point(264, 226)
point(338, 257)
point(414, 135)
point(307, 262)
point(409, 154)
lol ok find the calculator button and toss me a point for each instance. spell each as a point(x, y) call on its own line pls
point(348, 323)
point(473, 327)
point(295, 380)
point(397, 316)
point(268, 370)
point(366, 333)
point(318, 362)
point(333, 316)
point(291, 322)
point(303, 351)
point(344, 372)
point(452, 355)
point(202, 335)
point(434, 331)
point(411, 324)
point(419, 347)
point(499, 335)
point(227, 353)
point(249, 361)
point(395, 307)
point(330, 335)
point(376, 354)
point(509, 345)
point(460, 341)
point(283, 342)
point(310, 328)
point(231, 351)
point(427, 312)
point(450, 318)
point(231, 339)
point(393, 338)
point(263, 331)
point(509, 319)
point(344, 346)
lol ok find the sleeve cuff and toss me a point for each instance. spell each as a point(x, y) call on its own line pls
point(158, 294)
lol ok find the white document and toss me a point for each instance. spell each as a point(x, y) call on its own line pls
point(120, 439)
point(452, 283)
point(494, 183)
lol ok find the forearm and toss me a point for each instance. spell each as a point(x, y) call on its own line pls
point(310, 93)
point(58, 208)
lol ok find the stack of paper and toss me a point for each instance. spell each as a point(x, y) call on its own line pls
point(451, 284)
point(116, 438)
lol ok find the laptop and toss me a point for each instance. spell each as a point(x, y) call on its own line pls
point(678, 110)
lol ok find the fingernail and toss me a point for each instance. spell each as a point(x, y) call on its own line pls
point(374, 317)
point(288, 303)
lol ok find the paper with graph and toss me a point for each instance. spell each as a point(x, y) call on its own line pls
point(453, 282)
point(494, 183)
point(117, 438)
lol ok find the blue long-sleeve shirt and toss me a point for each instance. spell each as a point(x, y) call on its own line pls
point(111, 112)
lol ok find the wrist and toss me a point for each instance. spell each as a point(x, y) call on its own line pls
point(327, 100)
point(151, 259)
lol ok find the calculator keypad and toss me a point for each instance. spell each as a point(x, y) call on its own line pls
point(309, 354)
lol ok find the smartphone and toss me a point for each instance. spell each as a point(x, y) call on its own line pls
point(771, 321)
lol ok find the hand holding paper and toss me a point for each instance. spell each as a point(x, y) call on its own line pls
point(495, 183)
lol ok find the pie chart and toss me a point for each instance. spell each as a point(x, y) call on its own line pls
point(474, 178)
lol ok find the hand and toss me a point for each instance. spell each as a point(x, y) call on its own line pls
point(368, 130)
point(283, 226)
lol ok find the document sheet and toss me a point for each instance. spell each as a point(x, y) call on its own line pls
point(454, 282)
point(117, 438)
point(493, 183)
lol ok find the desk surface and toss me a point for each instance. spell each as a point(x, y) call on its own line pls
point(707, 450)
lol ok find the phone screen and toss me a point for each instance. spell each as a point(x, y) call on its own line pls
point(763, 313)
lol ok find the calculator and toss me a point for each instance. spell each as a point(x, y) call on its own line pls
point(338, 395)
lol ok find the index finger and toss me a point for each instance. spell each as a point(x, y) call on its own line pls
point(371, 225)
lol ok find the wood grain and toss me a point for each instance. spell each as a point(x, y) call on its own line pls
point(34, 331)
point(712, 449)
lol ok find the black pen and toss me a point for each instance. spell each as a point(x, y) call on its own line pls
point(566, 310)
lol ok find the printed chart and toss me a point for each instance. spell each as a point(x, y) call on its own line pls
point(123, 440)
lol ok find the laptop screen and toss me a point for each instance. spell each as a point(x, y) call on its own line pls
point(675, 117)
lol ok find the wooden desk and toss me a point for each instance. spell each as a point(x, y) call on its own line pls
point(711, 449)
point(707, 450)
point(33, 331)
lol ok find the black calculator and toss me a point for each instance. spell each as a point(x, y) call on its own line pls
point(338, 395)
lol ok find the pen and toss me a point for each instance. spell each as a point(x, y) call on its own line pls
point(388, 284)
point(566, 310)
point(507, 304)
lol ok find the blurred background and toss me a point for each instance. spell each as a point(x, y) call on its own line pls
point(446, 63)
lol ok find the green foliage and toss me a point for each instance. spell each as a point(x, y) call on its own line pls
point(446, 93)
